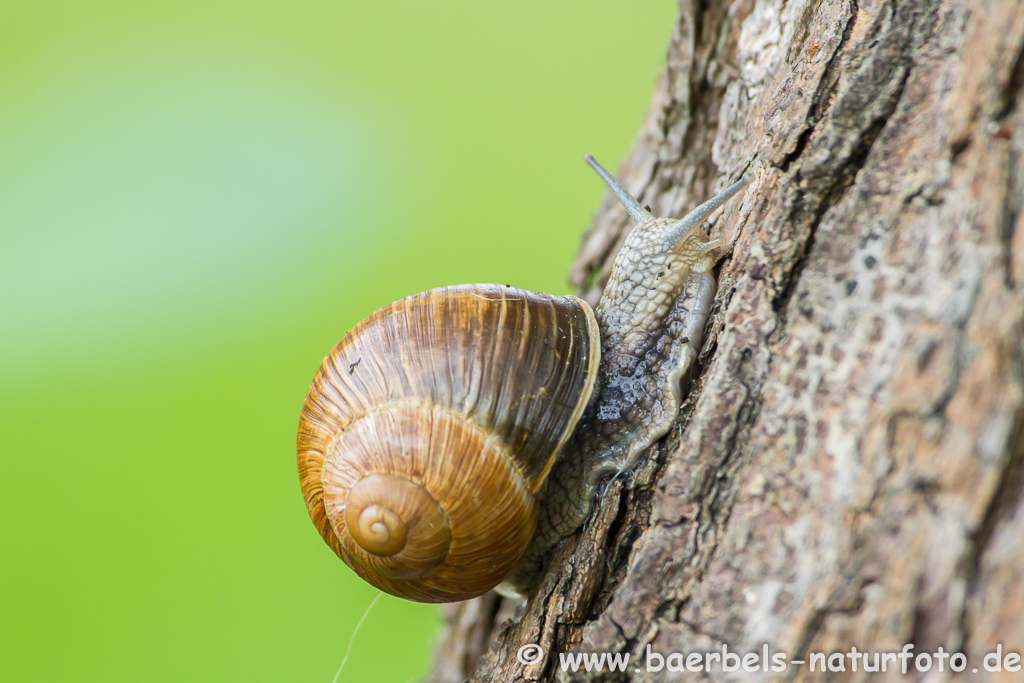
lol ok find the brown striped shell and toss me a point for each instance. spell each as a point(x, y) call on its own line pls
point(429, 429)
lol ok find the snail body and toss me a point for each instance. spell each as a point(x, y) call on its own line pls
point(428, 434)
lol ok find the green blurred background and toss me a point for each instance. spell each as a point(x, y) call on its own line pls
point(197, 200)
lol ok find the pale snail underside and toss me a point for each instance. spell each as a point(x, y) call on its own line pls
point(428, 434)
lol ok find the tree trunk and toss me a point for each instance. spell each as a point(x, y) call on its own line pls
point(848, 469)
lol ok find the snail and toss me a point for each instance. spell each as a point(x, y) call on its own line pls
point(429, 435)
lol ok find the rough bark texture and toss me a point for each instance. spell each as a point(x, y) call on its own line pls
point(848, 470)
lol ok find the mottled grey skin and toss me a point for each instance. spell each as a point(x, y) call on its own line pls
point(651, 315)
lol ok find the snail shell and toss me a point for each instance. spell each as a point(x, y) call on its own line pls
point(430, 428)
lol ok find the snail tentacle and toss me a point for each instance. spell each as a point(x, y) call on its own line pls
point(702, 212)
point(638, 213)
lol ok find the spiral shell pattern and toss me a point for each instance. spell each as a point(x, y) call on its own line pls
point(431, 426)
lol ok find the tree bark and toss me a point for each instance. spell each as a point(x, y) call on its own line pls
point(848, 469)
